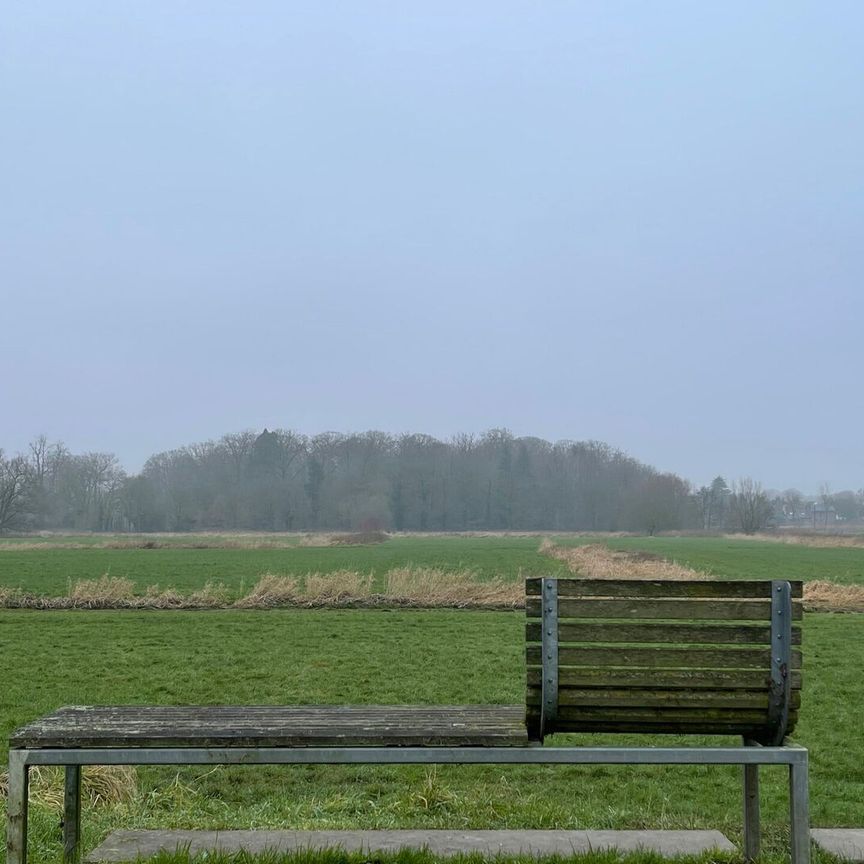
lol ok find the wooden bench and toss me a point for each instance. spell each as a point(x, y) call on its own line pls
point(683, 657)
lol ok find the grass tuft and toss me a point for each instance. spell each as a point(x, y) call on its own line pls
point(335, 588)
point(101, 785)
point(270, 592)
point(106, 592)
point(434, 587)
point(824, 596)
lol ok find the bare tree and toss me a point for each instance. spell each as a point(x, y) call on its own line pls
point(13, 489)
point(751, 507)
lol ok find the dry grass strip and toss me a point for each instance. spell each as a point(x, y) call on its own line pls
point(824, 596)
point(100, 785)
point(419, 587)
point(819, 541)
point(361, 538)
point(596, 561)
point(203, 541)
point(600, 562)
point(433, 587)
point(271, 592)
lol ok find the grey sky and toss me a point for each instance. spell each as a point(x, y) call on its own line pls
point(635, 222)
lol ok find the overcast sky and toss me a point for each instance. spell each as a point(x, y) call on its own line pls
point(633, 222)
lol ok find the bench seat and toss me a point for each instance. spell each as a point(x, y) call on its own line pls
point(276, 726)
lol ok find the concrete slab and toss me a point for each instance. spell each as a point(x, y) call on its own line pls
point(843, 842)
point(131, 845)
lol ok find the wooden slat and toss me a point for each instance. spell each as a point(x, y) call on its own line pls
point(634, 698)
point(718, 610)
point(276, 726)
point(741, 679)
point(645, 588)
point(667, 727)
point(684, 633)
point(694, 716)
point(670, 658)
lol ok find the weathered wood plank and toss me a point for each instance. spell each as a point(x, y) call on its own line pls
point(669, 588)
point(667, 727)
point(740, 679)
point(717, 610)
point(683, 633)
point(670, 658)
point(743, 716)
point(268, 726)
point(634, 698)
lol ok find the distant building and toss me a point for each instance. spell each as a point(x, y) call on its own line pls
point(824, 515)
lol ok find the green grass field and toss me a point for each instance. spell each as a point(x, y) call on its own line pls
point(336, 656)
point(441, 656)
point(51, 572)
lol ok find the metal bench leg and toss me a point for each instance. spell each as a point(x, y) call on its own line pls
point(72, 814)
point(16, 808)
point(799, 807)
point(752, 827)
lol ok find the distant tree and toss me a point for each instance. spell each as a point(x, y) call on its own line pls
point(713, 503)
point(659, 502)
point(793, 504)
point(750, 506)
point(14, 475)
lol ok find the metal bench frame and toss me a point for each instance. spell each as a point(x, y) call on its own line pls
point(751, 757)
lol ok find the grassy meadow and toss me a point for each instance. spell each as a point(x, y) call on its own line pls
point(746, 558)
point(45, 569)
point(295, 656)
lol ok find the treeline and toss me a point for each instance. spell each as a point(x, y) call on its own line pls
point(283, 481)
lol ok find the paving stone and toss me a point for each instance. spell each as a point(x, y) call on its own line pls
point(843, 842)
point(129, 845)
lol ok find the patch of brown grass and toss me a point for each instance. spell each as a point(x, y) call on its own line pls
point(432, 587)
point(599, 562)
point(213, 595)
point(271, 590)
point(340, 586)
point(315, 541)
point(106, 592)
point(100, 785)
point(360, 538)
point(596, 561)
point(162, 540)
point(419, 587)
point(824, 596)
point(818, 541)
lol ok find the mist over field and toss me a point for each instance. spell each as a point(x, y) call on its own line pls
point(281, 480)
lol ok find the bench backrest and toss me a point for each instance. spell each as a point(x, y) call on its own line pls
point(697, 656)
